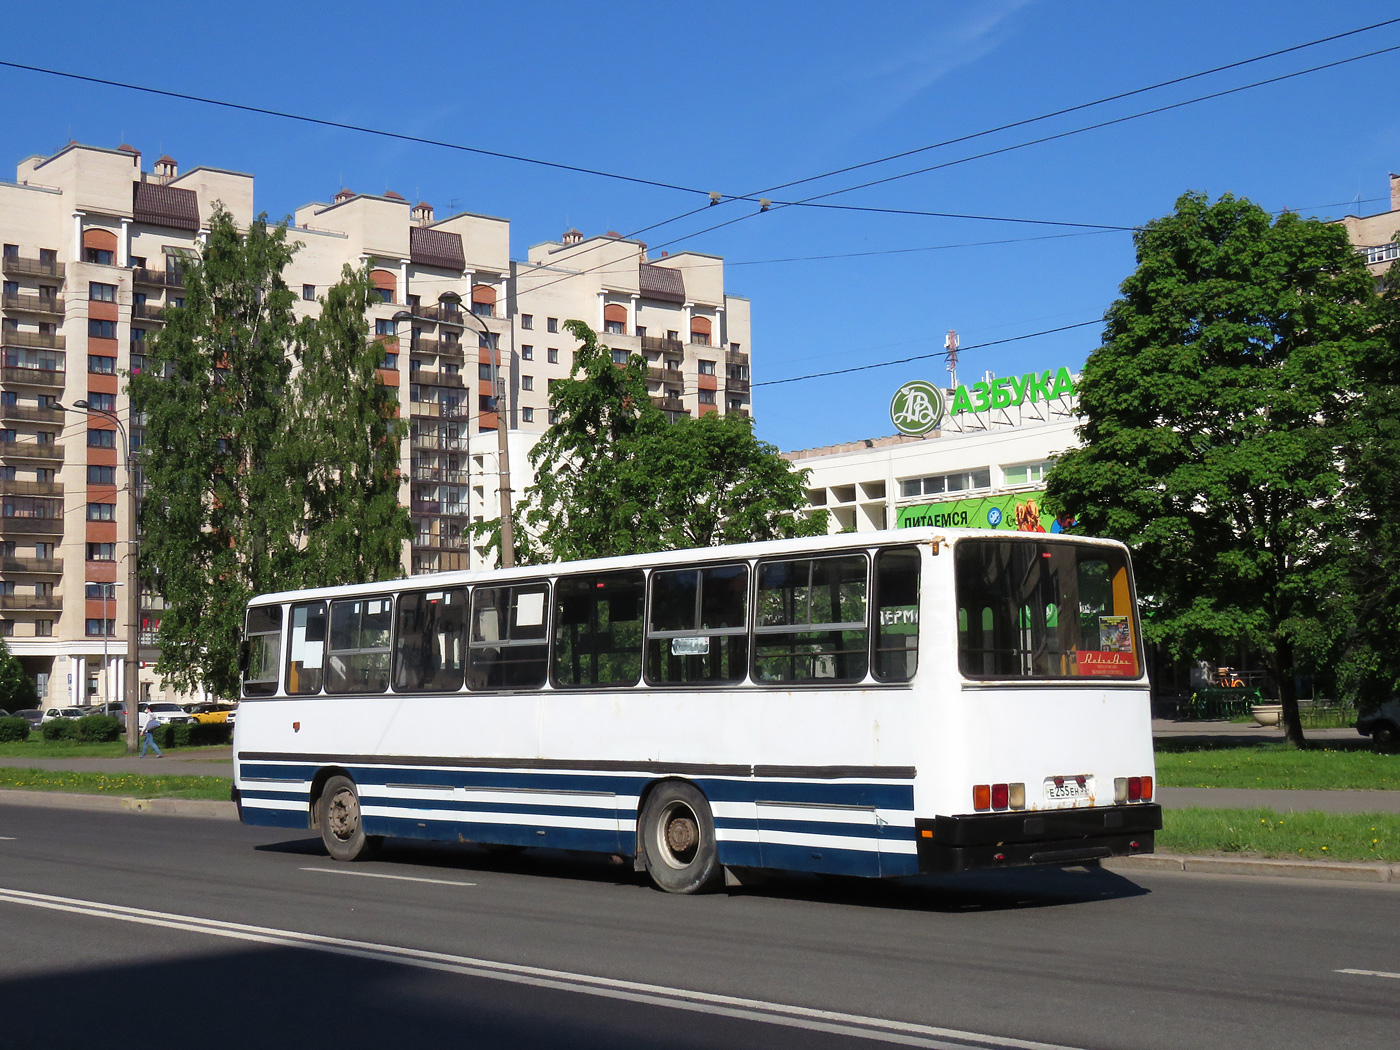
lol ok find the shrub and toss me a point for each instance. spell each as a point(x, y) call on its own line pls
point(13, 730)
point(98, 729)
point(60, 729)
point(196, 734)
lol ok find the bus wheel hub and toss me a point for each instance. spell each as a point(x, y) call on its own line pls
point(682, 834)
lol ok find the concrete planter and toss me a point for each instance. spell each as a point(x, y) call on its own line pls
point(1267, 714)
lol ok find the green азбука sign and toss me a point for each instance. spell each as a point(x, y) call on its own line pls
point(1010, 391)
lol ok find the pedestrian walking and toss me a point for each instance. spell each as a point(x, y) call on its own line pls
point(148, 737)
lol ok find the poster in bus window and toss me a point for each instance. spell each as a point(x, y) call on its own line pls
point(1115, 634)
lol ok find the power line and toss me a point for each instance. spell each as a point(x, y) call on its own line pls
point(925, 357)
point(1082, 106)
point(343, 126)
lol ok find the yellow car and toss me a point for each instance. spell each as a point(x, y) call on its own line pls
point(212, 712)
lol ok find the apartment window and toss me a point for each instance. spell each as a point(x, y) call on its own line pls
point(619, 357)
point(940, 484)
point(553, 417)
point(101, 475)
point(7, 628)
point(138, 337)
point(384, 295)
point(102, 439)
point(733, 348)
point(101, 552)
point(8, 473)
point(101, 512)
point(615, 327)
point(12, 251)
point(7, 435)
point(707, 397)
point(640, 331)
point(11, 288)
point(44, 474)
point(487, 340)
point(735, 405)
point(43, 590)
point(99, 364)
point(483, 371)
point(673, 335)
point(45, 437)
point(527, 382)
point(386, 326)
point(1028, 473)
point(107, 402)
point(102, 293)
point(101, 329)
point(552, 324)
point(390, 362)
point(552, 355)
point(101, 628)
point(707, 368)
point(527, 415)
point(527, 321)
point(7, 588)
point(41, 550)
point(138, 261)
point(9, 398)
point(100, 256)
point(527, 353)
point(308, 293)
point(100, 591)
point(43, 628)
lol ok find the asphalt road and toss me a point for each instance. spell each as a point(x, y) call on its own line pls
point(139, 931)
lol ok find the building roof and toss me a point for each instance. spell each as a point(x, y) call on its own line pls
point(430, 247)
point(168, 206)
point(662, 282)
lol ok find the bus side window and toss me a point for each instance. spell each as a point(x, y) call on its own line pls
point(811, 620)
point(697, 627)
point(359, 650)
point(896, 614)
point(430, 647)
point(510, 637)
point(306, 656)
point(263, 638)
point(598, 629)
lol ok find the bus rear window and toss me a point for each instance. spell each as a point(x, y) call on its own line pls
point(1045, 610)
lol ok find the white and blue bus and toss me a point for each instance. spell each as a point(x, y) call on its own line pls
point(881, 704)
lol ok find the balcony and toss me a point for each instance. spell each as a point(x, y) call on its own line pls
point(737, 386)
point(669, 404)
point(30, 488)
point(27, 414)
point(734, 357)
point(443, 314)
point(428, 442)
point(662, 344)
point(158, 278)
point(31, 603)
point(441, 347)
point(18, 266)
point(51, 378)
point(31, 526)
point(38, 566)
point(147, 312)
point(18, 302)
point(436, 410)
point(427, 377)
point(50, 452)
point(34, 340)
point(742, 413)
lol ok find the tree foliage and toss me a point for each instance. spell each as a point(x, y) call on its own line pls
point(254, 479)
point(17, 689)
point(1213, 414)
point(613, 477)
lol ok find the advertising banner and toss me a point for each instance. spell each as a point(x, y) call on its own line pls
point(1016, 512)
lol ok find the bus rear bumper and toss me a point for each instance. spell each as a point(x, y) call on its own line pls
point(1067, 836)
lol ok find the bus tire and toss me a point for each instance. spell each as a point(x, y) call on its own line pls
point(677, 840)
point(342, 830)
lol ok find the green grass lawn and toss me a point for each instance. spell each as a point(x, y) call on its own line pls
point(1264, 833)
point(127, 785)
point(37, 747)
point(1276, 766)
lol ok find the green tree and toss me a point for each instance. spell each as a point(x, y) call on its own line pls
point(613, 477)
point(256, 479)
point(344, 435)
point(17, 690)
point(1213, 413)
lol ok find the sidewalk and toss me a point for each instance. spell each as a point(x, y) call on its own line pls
point(1225, 734)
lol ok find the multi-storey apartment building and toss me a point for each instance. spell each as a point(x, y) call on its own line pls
point(1377, 236)
point(93, 250)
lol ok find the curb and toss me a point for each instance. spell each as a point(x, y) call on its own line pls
point(1337, 871)
point(161, 807)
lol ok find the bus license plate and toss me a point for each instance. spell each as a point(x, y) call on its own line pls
point(1068, 787)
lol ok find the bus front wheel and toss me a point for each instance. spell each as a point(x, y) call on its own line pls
point(342, 829)
point(678, 840)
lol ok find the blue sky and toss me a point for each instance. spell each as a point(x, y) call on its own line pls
point(737, 97)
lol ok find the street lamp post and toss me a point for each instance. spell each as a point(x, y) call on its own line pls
point(133, 597)
point(502, 405)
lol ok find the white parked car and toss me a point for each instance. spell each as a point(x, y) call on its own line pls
point(164, 713)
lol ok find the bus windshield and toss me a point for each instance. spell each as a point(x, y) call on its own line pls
point(1053, 609)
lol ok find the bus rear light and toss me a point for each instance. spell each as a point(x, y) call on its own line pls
point(1147, 789)
point(1135, 789)
point(982, 796)
point(1018, 796)
point(1120, 789)
point(1001, 796)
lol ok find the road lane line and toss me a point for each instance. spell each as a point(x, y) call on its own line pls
point(903, 1033)
point(1370, 973)
point(7, 838)
point(381, 875)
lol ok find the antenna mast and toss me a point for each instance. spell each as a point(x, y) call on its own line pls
point(951, 345)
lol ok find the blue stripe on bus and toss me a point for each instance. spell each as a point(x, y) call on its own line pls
point(593, 840)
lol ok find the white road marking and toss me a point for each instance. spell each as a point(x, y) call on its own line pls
point(1371, 973)
point(904, 1033)
point(7, 838)
point(380, 875)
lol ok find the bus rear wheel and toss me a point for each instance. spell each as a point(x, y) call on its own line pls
point(342, 829)
point(677, 840)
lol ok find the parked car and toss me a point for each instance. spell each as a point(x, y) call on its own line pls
point(62, 712)
point(1383, 724)
point(165, 713)
point(212, 712)
point(33, 716)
